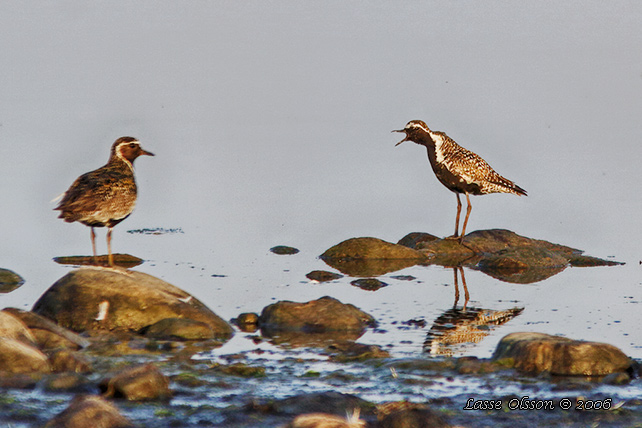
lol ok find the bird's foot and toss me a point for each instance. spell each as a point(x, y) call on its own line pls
point(453, 237)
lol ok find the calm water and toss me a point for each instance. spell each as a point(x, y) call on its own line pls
point(271, 125)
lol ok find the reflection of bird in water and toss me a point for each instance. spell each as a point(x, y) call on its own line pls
point(463, 280)
point(460, 170)
point(106, 196)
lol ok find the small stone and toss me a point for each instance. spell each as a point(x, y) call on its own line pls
point(370, 284)
point(323, 276)
point(139, 383)
point(64, 360)
point(284, 250)
point(248, 322)
point(325, 420)
point(18, 357)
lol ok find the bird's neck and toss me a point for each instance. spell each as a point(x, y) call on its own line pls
point(118, 161)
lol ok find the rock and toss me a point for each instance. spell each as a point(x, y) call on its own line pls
point(371, 248)
point(89, 411)
point(112, 299)
point(408, 415)
point(412, 240)
point(139, 383)
point(12, 328)
point(47, 334)
point(370, 284)
point(317, 316)
point(18, 357)
point(351, 351)
point(123, 260)
point(63, 361)
point(322, 402)
point(538, 352)
point(325, 420)
point(323, 276)
point(284, 250)
point(9, 281)
point(247, 322)
point(179, 329)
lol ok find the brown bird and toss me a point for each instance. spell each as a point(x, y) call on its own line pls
point(460, 170)
point(106, 196)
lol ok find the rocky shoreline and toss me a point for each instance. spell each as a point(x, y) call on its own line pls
point(127, 349)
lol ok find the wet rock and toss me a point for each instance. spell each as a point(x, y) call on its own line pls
point(323, 402)
point(325, 420)
point(139, 383)
point(284, 250)
point(241, 369)
point(414, 416)
point(18, 357)
point(496, 250)
point(12, 328)
point(89, 411)
point(371, 248)
point(114, 299)
point(414, 239)
point(317, 316)
point(247, 322)
point(370, 284)
point(538, 352)
point(323, 276)
point(63, 360)
point(47, 334)
point(9, 281)
point(68, 382)
point(179, 329)
point(126, 261)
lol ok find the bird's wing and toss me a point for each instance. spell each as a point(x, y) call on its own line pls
point(91, 189)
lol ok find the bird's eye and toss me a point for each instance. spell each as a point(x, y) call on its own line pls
point(132, 145)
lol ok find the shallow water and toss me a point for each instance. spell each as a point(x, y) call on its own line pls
point(271, 125)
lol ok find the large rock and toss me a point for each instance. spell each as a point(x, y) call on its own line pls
point(12, 328)
point(90, 411)
point(538, 352)
point(114, 299)
point(18, 357)
point(47, 334)
point(317, 316)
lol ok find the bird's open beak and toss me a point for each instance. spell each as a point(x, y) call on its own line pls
point(405, 139)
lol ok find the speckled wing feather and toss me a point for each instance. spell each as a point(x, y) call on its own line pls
point(473, 169)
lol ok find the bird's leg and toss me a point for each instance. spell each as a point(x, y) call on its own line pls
point(463, 281)
point(469, 208)
point(456, 235)
point(110, 255)
point(93, 244)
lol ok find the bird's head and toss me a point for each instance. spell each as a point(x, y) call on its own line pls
point(128, 148)
point(416, 131)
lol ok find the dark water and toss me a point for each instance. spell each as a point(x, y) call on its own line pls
point(271, 125)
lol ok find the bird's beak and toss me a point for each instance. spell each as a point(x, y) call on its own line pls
point(145, 152)
point(405, 139)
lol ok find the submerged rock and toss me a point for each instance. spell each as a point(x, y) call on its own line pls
point(370, 284)
point(114, 299)
point(139, 383)
point(404, 414)
point(538, 352)
point(317, 316)
point(323, 276)
point(90, 411)
point(9, 280)
point(284, 250)
point(179, 329)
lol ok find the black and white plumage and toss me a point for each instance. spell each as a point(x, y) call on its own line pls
point(106, 196)
point(457, 168)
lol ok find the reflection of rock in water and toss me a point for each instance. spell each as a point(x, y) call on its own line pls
point(464, 326)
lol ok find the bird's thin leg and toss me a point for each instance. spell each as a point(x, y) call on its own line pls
point(469, 208)
point(93, 243)
point(110, 255)
point(456, 289)
point(463, 281)
point(456, 235)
